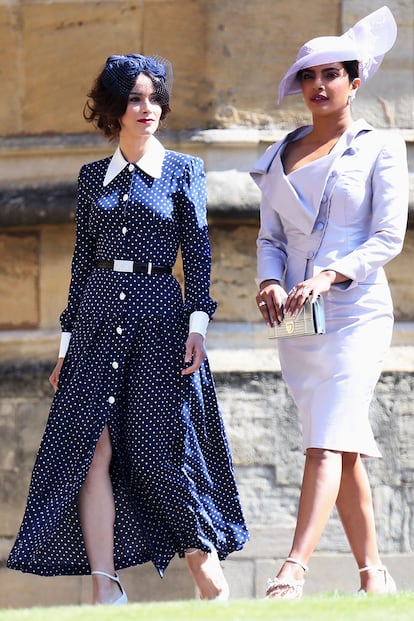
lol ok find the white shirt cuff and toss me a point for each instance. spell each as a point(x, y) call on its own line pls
point(64, 343)
point(199, 321)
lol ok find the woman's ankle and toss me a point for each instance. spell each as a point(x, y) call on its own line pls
point(292, 568)
point(206, 572)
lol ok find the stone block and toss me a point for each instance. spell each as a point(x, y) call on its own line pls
point(394, 518)
point(333, 537)
point(240, 577)
point(265, 569)
point(30, 421)
point(399, 272)
point(19, 270)
point(21, 426)
point(13, 493)
point(386, 100)
point(21, 590)
point(332, 574)
point(267, 542)
point(377, 103)
point(234, 270)
point(256, 49)
point(57, 243)
point(10, 120)
point(206, 41)
point(256, 413)
point(57, 40)
point(246, 419)
point(406, 435)
point(263, 501)
point(142, 583)
point(7, 435)
point(178, 31)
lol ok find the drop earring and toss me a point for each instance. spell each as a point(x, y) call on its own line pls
point(351, 97)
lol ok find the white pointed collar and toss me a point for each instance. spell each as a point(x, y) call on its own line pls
point(151, 162)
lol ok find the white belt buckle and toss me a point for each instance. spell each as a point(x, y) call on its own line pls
point(123, 266)
point(149, 268)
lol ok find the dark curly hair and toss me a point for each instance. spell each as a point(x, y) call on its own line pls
point(105, 107)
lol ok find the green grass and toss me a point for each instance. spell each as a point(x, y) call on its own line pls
point(399, 607)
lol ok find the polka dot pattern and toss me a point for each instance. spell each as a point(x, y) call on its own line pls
point(171, 468)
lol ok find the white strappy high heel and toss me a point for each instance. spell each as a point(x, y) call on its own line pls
point(123, 599)
point(279, 588)
point(390, 586)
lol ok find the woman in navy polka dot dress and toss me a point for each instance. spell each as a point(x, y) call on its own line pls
point(134, 465)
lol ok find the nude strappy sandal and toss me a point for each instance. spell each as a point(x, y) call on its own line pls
point(279, 588)
point(390, 586)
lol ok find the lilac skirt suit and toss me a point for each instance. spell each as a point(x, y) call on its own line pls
point(347, 212)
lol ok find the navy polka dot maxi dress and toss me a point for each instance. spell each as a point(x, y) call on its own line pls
point(171, 468)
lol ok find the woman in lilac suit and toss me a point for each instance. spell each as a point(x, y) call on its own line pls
point(333, 213)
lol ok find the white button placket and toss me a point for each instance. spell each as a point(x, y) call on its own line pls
point(119, 331)
point(125, 198)
point(114, 366)
point(114, 363)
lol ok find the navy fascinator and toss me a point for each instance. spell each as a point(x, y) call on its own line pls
point(120, 72)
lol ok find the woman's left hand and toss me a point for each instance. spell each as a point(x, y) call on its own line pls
point(195, 352)
point(310, 288)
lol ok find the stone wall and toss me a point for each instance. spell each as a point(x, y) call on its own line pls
point(264, 433)
point(257, 406)
point(35, 266)
point(228, 56)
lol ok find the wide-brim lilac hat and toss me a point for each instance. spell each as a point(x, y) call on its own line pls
point(367, 42)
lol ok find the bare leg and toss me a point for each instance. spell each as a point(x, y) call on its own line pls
point(97, 516)
point(356, 511)
point(207, 574)
point(320, 487)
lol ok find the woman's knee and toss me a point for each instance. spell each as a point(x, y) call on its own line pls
point(322, 453)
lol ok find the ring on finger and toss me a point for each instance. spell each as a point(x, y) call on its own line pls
point(305, 291)
point(292, 291)
point(262, 303)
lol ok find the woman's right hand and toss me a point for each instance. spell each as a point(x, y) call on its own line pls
point(54, 377)
point(270, 301)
